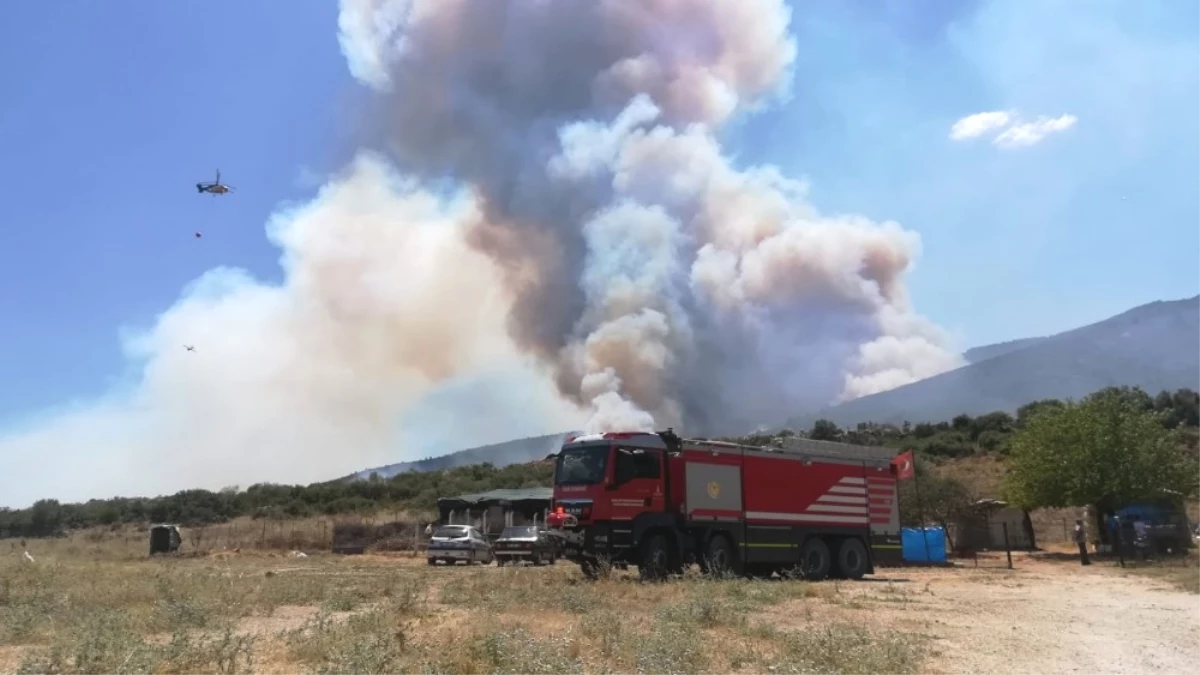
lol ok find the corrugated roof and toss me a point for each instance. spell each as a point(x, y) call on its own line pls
point(511, 495)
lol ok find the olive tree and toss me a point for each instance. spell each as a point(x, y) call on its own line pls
point(1104, 451)
point(943, 499)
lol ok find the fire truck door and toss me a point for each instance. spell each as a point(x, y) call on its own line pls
point(639, 483)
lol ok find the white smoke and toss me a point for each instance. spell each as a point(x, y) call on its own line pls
point(383, 305)
point(605, 266)
point(664, 285)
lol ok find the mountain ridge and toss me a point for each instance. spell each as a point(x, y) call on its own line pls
point(999, 376)
point(1155, 346)
point(517, 451)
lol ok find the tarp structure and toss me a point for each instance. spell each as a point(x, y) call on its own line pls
point(983, 528)
point(496, 497)
point(491, 511)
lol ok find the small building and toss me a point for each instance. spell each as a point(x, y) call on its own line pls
point(164, 538)
point(985, 525)
point(491, 511)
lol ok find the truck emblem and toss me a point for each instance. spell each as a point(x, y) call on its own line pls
point(714, 489)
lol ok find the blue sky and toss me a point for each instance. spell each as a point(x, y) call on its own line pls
point(1015, 243)
point(112, 111)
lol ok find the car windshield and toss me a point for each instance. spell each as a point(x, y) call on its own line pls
point(451, 532)
point(519, 532)
point(582, 465)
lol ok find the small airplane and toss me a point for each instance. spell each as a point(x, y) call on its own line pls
point(190, 348)
point(214, 188)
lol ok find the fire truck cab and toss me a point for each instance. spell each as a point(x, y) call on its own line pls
point(662, 503)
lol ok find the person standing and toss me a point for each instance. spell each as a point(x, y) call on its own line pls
point(1140, 540)
point(1081, 540)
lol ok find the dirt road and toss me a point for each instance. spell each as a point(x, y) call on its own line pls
point(1044, 617)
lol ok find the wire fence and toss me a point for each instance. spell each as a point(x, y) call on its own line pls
point(986, 544)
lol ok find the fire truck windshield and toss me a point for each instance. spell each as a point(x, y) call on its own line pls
point(583, 465)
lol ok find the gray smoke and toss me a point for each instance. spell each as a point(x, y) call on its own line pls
point(663, 285)
point(555, 241)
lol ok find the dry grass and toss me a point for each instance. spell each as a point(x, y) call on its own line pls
point(102, 608)
point(1182, 573)
point(982, 475)
point(307, 534)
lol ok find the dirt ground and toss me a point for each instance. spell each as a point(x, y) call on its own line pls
point(1047, 616)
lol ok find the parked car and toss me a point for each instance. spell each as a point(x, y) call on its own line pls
point(459, 543)
point(556, 541)
point(525, 542)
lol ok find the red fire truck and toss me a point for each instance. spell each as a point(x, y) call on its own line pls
point(662, 502)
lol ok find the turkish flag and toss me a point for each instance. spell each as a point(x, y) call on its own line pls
point(903, 465)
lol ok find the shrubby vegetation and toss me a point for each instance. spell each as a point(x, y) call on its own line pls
point(993, 433)
point(1105, 451)
point(405, 492)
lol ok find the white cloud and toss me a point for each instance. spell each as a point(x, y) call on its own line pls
point(1018, 135)
point(1031, 133)
point(976, 125)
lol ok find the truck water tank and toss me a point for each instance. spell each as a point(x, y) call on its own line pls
point(913, 544)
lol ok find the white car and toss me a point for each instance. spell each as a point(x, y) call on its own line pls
point(459, 543)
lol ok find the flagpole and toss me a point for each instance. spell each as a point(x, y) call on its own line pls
point(920, 509)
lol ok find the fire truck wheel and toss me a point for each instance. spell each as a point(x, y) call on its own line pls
point(720, 556)
point(654, 558)
point(814, 559)
point(852, 558)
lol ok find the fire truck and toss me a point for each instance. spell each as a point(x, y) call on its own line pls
point(663, 503)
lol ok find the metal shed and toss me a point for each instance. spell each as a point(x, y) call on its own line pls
point(491, 511)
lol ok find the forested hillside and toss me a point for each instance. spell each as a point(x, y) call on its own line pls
point(964, 436)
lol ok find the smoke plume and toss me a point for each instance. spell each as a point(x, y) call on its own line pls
point(596, 262)
point(662, 284)
point(382, 310)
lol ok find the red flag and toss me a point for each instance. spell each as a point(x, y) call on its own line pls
point(903, 465)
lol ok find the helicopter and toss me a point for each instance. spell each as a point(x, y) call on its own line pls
point(214, 188)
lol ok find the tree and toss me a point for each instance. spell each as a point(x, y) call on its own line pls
point(999, 422)
point(943, 499)
point(824, 430)
point(45, 517)
point(1025, 412)
point(1104, 452)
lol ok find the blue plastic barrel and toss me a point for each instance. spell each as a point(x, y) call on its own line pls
point(913, 544)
